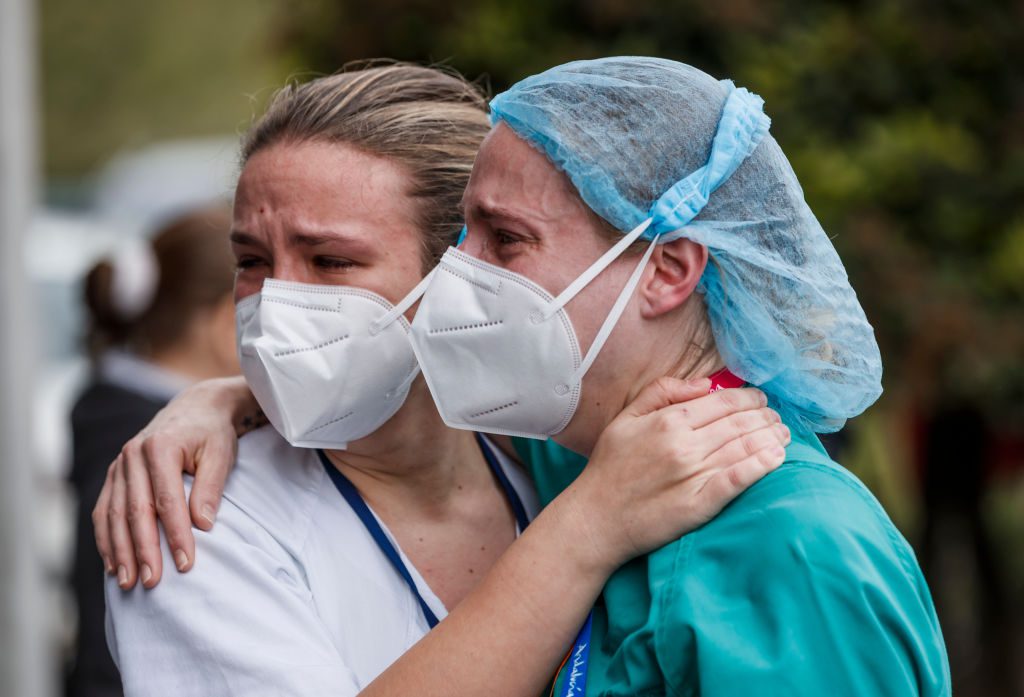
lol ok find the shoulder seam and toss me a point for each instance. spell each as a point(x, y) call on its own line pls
point(895, 541)
point(302, 523)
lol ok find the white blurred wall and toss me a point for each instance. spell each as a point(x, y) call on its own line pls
point(26, 667)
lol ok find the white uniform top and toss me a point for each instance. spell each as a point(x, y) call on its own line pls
point(289, 595)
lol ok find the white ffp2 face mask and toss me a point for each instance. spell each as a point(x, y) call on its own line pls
point(499, 353)
point(327, 364)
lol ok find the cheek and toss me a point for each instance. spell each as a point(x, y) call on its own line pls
point(392, 279)
point(589, 309)
point(551, 270)
point(246, 284)
point(585, 314)
point(402, 286)
point(473, 244)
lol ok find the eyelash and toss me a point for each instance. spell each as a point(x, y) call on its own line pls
point(505, 239)
point(332, 263)
point(329, 263)
point(247, 263)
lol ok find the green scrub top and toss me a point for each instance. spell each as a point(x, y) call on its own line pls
point(801, 586)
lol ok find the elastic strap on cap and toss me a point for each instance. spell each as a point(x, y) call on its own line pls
point(741, 128)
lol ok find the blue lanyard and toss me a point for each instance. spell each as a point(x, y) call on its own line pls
point(518, 510)
point(369, 521)
point(576, 663)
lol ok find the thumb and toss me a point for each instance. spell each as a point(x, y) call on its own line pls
point(665, 392)
point(213, 464)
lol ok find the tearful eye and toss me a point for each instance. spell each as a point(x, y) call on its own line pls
point(332, 263)
point(504, 238)
point(247, 262)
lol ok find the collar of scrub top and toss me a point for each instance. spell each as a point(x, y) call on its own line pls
point(372, 525)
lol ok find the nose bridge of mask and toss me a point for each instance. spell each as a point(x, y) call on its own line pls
point(618, 307)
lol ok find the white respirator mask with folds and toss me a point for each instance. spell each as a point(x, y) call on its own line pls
point(499, 353)
point(327, 364)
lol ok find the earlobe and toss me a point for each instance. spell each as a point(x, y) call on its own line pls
point(671, 276)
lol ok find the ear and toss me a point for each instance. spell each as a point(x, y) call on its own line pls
point(672, 274)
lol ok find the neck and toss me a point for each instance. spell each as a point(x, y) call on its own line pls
point(617, 390)
point(414, 463)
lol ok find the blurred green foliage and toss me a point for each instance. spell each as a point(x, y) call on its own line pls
point(902, 118)
point(119, 74)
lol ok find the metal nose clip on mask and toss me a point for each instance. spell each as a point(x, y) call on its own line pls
point(327, 364)
point(499, 353)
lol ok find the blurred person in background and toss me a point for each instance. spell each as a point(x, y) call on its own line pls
point(160, 317)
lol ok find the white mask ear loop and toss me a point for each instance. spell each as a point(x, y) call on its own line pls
point(597, 267)
point(613, 315)
point(404, 304)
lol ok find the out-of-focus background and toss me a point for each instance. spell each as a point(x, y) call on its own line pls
point(904, 120)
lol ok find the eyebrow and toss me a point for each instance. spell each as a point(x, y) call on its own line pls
point(239, 237)
point(489, 212)
point(304, 239)
point(300, 238)
point(312, 239)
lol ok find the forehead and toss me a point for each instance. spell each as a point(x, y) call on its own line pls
point(510, 154)
point(324, 183)
point(509, 172)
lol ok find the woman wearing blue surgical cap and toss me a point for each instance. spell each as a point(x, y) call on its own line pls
point(629, 218)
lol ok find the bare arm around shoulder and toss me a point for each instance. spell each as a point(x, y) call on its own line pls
point(242, 623)
point(197, 433)
point(511, 633)
point(660, 469)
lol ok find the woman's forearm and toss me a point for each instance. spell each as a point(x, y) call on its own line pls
point(510, 634)
point(655, 474)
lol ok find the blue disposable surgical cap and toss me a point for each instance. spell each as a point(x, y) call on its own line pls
point(650, 138)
